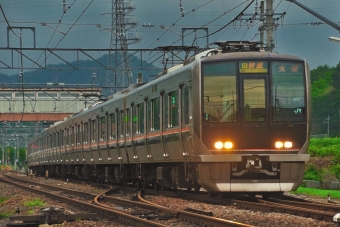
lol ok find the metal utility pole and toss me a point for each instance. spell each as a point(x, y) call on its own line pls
point(267, 23)
point(328, 126)
point(261, 27)
point(121, 23)
point(270, 25)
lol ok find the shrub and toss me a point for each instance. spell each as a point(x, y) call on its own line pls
point(312, 173)
point(324, 147)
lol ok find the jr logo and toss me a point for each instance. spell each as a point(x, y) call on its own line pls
point(298, 111)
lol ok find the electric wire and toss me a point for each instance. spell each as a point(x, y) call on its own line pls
point(3, 13)
point(325, 53)
point(193, 10)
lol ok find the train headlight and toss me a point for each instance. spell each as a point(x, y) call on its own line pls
point(219, 145)
point(228, 145)
point(278, 144)
point(288, 144)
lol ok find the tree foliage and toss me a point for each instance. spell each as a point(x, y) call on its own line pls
point(326, 96)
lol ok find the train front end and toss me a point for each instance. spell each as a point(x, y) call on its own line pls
point(251, 122)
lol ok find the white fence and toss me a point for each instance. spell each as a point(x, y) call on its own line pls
point(322, 185)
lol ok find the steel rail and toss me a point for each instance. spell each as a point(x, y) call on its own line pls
point(108, 213)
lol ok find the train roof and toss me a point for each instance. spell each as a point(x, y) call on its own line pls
point(251, 55)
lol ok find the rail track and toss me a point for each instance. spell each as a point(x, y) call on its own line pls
point(316, 210)
point(140, 213)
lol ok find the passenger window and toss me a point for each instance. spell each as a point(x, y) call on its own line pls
point(127, 120)
point(154, 117)
point(79, 135)
point(173, 109)
point(85, 132)
point(140, 118)
point(67, 134)
point(94, 131)
point(102, 128)
point(122, 120)
point(113, 126)
point(72, 136)
point(185, 105)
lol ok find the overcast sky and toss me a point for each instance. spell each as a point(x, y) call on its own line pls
point(295, 35)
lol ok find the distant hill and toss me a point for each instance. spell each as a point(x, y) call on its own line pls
point(68, 75)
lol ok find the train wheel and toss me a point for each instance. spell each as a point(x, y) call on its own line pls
point(197, 189)
point(145, 185)
point(210, 194)
point(252, 195)
point(155, 186)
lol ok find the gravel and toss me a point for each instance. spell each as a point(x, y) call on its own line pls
point(16, 197)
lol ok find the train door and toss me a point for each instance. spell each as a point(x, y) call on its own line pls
point(254, 111)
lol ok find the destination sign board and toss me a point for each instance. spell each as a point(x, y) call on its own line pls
point(253, 67)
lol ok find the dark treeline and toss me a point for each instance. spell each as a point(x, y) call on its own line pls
point(326, 100)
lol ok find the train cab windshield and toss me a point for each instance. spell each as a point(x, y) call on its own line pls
point(253, 92)
point(288, 91)
point(220, 98)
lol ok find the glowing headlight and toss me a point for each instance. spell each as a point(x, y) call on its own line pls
point(228, 145)
point(219, 145)
point(278, 144)
point(288, 144)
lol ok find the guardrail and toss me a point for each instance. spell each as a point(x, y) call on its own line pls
point(322, 185)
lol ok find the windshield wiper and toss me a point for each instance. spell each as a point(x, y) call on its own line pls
point(224, 113)
point(277, 102)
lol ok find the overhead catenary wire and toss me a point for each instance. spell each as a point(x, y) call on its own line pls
point(47, 44)
point(3, 13)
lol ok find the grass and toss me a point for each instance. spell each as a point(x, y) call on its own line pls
point(3, 199)
point(34, 203)
point(317, 192)
point(3, 216)
point(30, 212)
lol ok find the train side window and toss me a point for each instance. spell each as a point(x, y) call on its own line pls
point(94, 130)
point(122, 120)
point(134, 119)
point(86, 131)
point(107, 127)
point(113, 125)
point(63, 138)
point(60, 138)
point(57, 140)
point(173, 109)
point(102, 128)
point(154, 118)
point(127, 120)
point(78, 134)
point(52, 140)
point(67, 134)
point(72, 136)
point(140, 118)
point(185, 105)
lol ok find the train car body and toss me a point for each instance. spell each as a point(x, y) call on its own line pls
point(227, 122)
